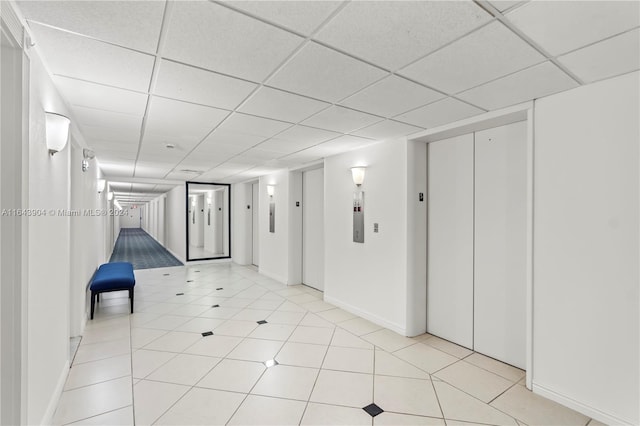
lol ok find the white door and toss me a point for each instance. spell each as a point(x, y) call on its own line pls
point(450, 240)
point(500, 243)
point(255, 189)
point(313, 228)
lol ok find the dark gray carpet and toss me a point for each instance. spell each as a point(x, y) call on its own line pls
point(140, 249)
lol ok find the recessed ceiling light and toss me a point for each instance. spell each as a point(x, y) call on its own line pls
point(170, 146)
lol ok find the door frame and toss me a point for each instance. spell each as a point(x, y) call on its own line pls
point(509, 115)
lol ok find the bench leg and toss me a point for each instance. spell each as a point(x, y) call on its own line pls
point(131, 297)
point(93, 303)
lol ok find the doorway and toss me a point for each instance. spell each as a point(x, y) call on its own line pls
point(255, 225)
point(313, 228)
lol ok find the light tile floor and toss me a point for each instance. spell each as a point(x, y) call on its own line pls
point(156, 367)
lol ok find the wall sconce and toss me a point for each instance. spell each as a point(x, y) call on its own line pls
point(357, 173)
point(101, 185)
point(110, 196)
point(57, 127)
point(271, 190)
point(88, 154)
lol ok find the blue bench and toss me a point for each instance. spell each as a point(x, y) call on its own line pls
point(116, 276)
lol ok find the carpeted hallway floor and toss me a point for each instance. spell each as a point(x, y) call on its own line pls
point(140, 249)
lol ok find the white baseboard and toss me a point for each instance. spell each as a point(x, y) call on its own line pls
point(47, 419)
point(366, 315)
point(578, 406)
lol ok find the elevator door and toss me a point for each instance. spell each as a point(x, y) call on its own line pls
point(500, 243)
point(313, 228)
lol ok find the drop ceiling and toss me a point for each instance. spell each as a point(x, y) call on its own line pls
point(244, 88)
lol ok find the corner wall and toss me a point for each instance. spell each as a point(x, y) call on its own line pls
point(586, 231)
point(175, 215)
point(368, 279)
point(274, 246)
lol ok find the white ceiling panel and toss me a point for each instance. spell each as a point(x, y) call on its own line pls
point(116, 167)
point(183, 120)
point(323, 73)
point(183, 176)
point(343, 144)
point(134, 24)
point(532, 83)
point(98, 134)
point(562, 26)
point(156, 153)
point(387, 129)
point(304, 134)
point(104, 147)
point(300, 16)
point(155, 170)
point(191, 84)
point(503, 5)
point(233, 140)
point(97, 96)
point(285, 146)
point(445, 111)
point(252, 125)
point(394, 33)
point(341, 119)
point(115, 154)
point(608, 58)
point(259, 155)
point(493, 50)
point(392, 96)
point(125, 123)
point(79, 57)
point(214, 37)
point(279, 105)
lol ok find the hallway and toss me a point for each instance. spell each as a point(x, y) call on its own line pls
point(137, 247)
point(156, 367)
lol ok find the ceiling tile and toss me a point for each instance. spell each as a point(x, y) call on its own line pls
point(608, 58)
point(392, 96)
point(97, 96)
point(343, 144)
point(562, 26)
point(442, 112)
point(156, 153)
point(304, 134)
point(323, 73)
point(79, 57)
point(300, 16)
point(486, 54)
point(243, 47)
point(183, 120)
point(115, 154)
point(284, 146)
point(125, 123)
point(279, 105)
point(177, 175)
point(155, 170)
point(131, 149)
point(233, 140)
point(252, 125)
point(259, 155)
point(116, 167)
point(115, 134)
point(532, 83)
point(134, 24)
point(394, 33)
point(341, 119)
point(387, 129)
point(503, 5)
point(191, 84)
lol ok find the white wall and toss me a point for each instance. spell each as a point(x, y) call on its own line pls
point(175, 240)
point(241, 217)
point(47, 357)
point(369, 279)
point(132, 218)
point(586, 225)
point(274, 247)
point(87, 235)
